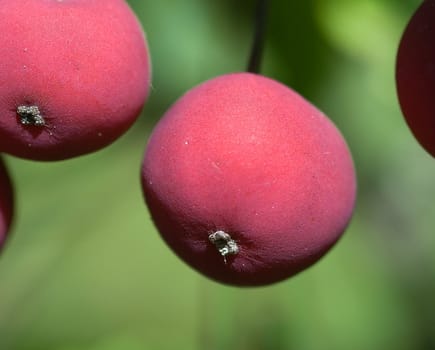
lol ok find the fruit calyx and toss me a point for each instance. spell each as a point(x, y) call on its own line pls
point(30, 115)
point(224, 243)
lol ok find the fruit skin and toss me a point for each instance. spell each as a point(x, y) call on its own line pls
point(83, 63)
point(415, 75)
point(246, 155)
point(6, 203)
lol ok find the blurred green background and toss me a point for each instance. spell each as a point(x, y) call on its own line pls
point(85, 269)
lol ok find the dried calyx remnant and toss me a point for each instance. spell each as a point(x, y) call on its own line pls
point(224, 243)
point(30, 115)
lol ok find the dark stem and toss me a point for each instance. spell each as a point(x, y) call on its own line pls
point(259, 35)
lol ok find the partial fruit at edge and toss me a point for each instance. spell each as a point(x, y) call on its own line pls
point(74, 76)
point(6, 203)
point(415, 75)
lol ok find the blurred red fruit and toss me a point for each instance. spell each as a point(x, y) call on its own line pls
point(415, 75)
point(6, 203)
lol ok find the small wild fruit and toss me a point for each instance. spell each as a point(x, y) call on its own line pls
point(74, 75)
point(246, 181)
point(415, 75)
point(6, 203)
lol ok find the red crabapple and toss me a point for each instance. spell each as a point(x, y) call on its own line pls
point(74, 75)
point(246, 181)
point(6, 203)
point(415, 75)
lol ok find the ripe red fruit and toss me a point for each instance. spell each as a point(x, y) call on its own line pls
point(246, 181)
point(415, 75)
point(6, 203)
point(74, 75)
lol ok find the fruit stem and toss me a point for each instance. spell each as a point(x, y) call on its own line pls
point(259, 35)
point(224, 243)
point(30, 115)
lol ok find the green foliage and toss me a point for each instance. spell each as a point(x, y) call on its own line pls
point(85, 269)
